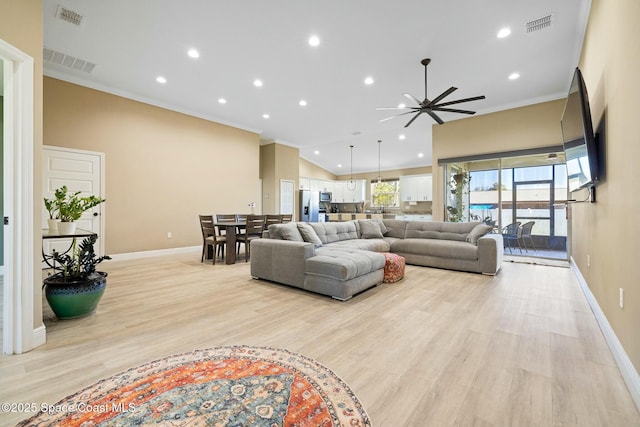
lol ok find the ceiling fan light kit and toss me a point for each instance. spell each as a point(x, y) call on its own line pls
point(430, 107)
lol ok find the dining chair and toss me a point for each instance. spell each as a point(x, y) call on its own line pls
point(272, 219)
point(211, 238)
point(525, 233)
point(510, 234)
point(222, 231)
point(287, 218)
point(253, 230)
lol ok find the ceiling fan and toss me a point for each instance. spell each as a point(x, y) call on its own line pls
point(430, 107)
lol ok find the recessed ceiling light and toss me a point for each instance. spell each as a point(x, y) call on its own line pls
point(265, 116)
point(316, 152)
point(302, 103)
point(257, 83)
point(314, 41)
point(514, 76)
point(222, 101)
point(504, 32)
point(402, 105)
point(401, 137)
point(193, 53)
point(420, 155)
point(161, 79)
point(368, 80)
point(339, 165)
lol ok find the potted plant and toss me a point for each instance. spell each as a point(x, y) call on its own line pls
point(71, 207)
point(459, 186)
point(52, 207)
point(75, 288)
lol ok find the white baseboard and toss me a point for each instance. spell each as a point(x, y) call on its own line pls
point(155, 253)
point(38, 337)
point(628, 371)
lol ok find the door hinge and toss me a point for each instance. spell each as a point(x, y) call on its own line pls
point(6, 220)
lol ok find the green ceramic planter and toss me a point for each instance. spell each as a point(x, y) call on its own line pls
point(75, 299)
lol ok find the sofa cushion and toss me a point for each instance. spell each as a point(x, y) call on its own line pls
point(343, 264)
point(376, 245)
point(309, 234)
point(370, 229)
point(457, 231)
point(436, 248)
point(395, 228)
point(288, 231)
point(477, 232)
point(330, 232)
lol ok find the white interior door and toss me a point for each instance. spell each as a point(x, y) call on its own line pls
point(81, 171)
point(287, 195)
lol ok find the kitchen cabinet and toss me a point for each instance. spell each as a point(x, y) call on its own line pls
point(343, 194)
point(338, 189)
point(416, 188)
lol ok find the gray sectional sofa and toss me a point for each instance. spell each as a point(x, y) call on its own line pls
point(341, 259)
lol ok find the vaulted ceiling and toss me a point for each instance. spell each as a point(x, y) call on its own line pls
point(124, 46)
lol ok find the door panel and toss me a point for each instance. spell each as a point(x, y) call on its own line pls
point(79, 171)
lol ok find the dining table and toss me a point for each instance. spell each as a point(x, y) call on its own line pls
point(230, 232)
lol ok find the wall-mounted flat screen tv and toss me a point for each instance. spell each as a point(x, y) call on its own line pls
point(578, 138)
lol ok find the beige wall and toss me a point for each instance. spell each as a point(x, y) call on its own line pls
point(21, 27)
point(607, 230)
point(516, 129)
point(162, 168)
point(310, 170)
point(277, 162)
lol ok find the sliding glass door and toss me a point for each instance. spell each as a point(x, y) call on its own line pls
point(529, 190)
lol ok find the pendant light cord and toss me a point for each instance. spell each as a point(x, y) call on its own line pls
point(351, 185)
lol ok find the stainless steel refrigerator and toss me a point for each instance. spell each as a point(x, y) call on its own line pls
point(309, 206)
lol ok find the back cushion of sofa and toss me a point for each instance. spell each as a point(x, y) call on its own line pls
point(457, 231)
point(395, 228)
point(288, 231)
point(330, 232)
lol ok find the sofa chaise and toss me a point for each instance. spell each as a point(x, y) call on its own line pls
point(341, 259)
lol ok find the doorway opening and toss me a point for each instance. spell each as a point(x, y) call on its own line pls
point(522, 195)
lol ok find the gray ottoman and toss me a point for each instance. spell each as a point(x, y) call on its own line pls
point(342, 273)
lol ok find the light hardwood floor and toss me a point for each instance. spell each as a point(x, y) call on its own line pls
point(436, 349)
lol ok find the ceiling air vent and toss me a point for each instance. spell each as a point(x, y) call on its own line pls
point(65, 60)
point(68, 15)
point(539, 24)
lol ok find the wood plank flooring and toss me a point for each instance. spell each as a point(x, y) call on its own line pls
point(439, 348)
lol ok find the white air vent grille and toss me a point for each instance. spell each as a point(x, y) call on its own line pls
point(539, 24)
point(68, 15)
point(59, 58)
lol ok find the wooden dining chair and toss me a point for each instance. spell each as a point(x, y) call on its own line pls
point(253, 230)
point(211, 238)
point(272, 219)
point(222, 231)
point(287, 218)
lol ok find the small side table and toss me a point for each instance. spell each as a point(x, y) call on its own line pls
point(54, 234)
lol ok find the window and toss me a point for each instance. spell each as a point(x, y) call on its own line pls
point(385, 194)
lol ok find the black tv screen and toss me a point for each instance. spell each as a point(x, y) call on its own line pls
point(578, 138)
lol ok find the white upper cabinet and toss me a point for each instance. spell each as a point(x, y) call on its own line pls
point(416, 188)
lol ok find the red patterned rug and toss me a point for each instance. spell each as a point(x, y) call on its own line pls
point(222, 386)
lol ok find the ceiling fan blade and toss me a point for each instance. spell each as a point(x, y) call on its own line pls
point(396, 108)
point(459, 101)
point(414, 117)
point(435, 117)
point(398, 115)
point(441, 96)
point(452, 110)
point(414, 99)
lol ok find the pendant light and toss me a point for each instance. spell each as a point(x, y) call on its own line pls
point(351, 185)
point(379, 176)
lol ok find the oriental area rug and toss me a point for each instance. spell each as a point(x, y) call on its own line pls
point(221, 386)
